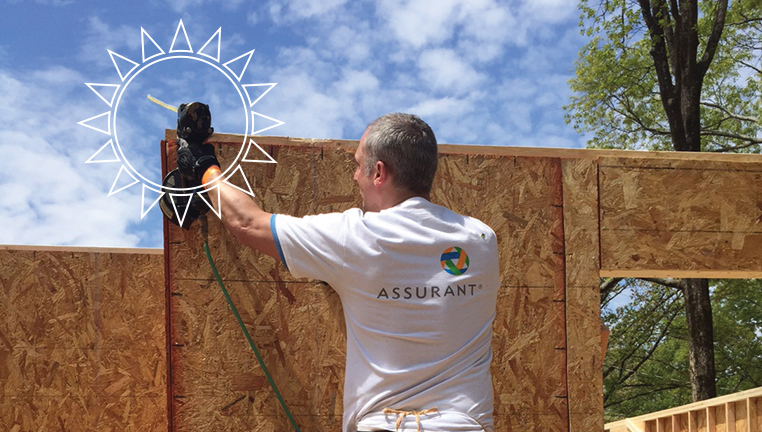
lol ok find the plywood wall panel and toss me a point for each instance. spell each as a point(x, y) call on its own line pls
point(684, 251)
point(223, 414)
point(583, 338)
point(529, 368)
point(663, 214)
point(740, 410)
point(290, 187)
point(17, 371)
point(82, 341)
point(533, 422)
point(525, 212)
point(81, 414)
point(293, 333)
point(308, 355)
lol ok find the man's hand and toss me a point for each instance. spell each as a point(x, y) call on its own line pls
point(194, 159)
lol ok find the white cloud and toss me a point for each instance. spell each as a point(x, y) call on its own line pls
point(419, 22)
point(357, 81)
point(443, 70)
point(447, 107)
point(482, 26)
point(181, 6)
point(352, 43)
point(549, 11)
point(124, 40)
point(289, 11)
point(310, 8)
point(53, 197)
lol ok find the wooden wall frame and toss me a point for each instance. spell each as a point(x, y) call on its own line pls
point(564, 219)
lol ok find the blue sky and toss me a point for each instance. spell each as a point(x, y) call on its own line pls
point(478, 71)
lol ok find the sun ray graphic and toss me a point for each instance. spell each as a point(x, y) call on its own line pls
point(151, 54)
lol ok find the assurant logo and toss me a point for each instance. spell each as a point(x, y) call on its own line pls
point(455, 261)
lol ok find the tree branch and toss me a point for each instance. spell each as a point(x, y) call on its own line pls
point(757, 70)
point(670, 313)
point(714, 38)
point(627, 113)
point(648, 393)
point(649, 353)
point(608, 285)
point(660, 57)
point(730, 114)
point(749, 139)
point(670, 283)
point(743, 22)
point(729, 149)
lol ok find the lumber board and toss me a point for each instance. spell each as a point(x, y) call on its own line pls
point(582, 295)
point(492, 150)
point(82, 340)
point(680, 215)
point(207, 375)
point(92, 249)
point(755, 413)
point(741, 415)
point(729, 413)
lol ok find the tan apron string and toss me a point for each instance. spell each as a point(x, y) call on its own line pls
point(401, 414)
point(479, 423)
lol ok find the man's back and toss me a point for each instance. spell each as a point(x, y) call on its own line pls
point(418, 284)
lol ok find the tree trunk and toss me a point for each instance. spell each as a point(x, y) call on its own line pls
point(680, 72)
point(698, 311)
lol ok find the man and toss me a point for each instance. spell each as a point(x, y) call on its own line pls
point(418, 283)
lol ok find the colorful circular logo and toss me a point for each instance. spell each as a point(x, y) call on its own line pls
point(454, 260)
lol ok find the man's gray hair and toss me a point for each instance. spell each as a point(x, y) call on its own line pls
point(408, 148)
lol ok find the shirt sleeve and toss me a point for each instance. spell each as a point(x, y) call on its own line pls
point(311, 246)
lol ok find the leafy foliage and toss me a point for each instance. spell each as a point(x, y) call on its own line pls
point(645, 368)
point(616, 92)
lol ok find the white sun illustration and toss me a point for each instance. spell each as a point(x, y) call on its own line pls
point(233, 70)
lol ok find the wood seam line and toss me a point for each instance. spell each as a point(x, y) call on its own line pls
point(600, 243)
point(167, 306)
point(566, 299)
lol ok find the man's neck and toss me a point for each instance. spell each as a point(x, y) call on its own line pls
point(400, 197)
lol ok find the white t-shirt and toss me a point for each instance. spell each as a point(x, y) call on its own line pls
point(418, 284)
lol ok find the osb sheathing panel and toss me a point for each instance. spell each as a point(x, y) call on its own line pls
point(296, 342)
point(584, 364)
point(82, 344)
point(298, 325)
point(662, 214)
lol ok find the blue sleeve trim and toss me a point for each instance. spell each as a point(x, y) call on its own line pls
point(277, 241)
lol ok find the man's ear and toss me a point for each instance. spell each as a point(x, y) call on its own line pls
point(382, 173)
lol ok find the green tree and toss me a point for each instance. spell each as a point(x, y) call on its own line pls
point(644, 370)
point(672, 75)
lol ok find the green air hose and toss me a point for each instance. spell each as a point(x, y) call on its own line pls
point(246, 332)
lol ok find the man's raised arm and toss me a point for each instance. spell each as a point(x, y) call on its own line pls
point(240, 214)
